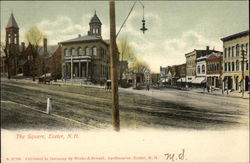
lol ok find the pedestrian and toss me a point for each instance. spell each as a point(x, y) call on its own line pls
point(147, 87)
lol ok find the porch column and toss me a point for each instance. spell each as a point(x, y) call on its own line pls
point(87, 69)
point(79, 69)
point(71, 69)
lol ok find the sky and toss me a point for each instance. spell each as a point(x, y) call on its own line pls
point(174, 27)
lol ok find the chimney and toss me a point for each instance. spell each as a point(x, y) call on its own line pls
point(79, 35)
point(207, 48)
point(23, 46)
point(45, 45)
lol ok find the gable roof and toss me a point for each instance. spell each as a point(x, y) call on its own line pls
point(12, 22)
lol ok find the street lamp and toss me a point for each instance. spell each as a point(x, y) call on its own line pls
point(143, 29)
point(114, 59)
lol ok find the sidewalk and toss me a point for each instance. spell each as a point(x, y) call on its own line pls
point(219, 93)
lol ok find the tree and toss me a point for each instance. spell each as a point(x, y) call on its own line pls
point(126, 52)
point(34, 36)
point(139, 66)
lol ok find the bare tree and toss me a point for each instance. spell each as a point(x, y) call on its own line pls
point(34, 36)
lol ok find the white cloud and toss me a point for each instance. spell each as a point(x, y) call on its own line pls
point(63, 28)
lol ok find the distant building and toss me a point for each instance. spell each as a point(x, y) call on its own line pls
point(155, 77)
point(87, 57)
point(214, 70)
point(165, 74)
point(233, 64)
point(196, 66)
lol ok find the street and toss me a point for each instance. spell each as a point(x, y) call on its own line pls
point(23, 106)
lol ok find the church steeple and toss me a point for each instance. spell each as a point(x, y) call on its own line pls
point(12, 31)
point(95, 26)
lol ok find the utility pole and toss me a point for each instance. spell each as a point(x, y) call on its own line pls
point(114, 59)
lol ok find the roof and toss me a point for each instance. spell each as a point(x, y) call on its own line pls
point(51, 49)
point(86, 38)
point(82, 39)
point(234, 36)
point(12, 22)
point(95, 19)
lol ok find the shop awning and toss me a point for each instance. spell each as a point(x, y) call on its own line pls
point(199, 80)
point(181, 80)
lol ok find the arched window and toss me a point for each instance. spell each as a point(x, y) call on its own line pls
point(232, 51)
point(79, 51)
point(9, 40)
point(87, 51)
point(72, 52)
point(203, 69)
point(66, 52)
point(237, 50)
point(237, 65)
point(225, 53)
point(232, 66)
point(199, 69)
point(94, 51)
point(229, 49)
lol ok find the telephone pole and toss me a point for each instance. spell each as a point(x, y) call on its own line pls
point(114, 60)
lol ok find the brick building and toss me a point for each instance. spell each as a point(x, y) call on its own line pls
point(214, 70)
point(87, 57)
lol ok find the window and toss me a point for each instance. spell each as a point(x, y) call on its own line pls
point(228, 55)
point(87, 51)
point(242, 48)
point(225, 66)
point(242, 65)
point(233, 51)
point(203, 69)
point(229, 66)
point(72, 51)
point(94, 51)
point(225, 53)
point(237, 50)
point(199, 69)
point(237, 65)
point(79, 51)
point(65, 52)
point(232, 66)
point(247, 65)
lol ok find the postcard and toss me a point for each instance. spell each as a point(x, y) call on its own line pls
point(124, 81)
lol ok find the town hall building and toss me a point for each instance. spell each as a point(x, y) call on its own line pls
point(87, 57)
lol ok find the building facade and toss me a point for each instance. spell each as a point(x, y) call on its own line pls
point(236, 65)
point(87, 57)
point(214, 70)
point(196, 66)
